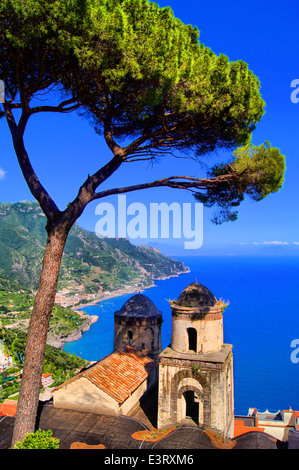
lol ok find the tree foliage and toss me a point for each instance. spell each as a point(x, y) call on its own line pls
point(38, 440)
point(148, 77)
point(255, 171)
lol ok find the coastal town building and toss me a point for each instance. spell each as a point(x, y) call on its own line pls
point(277, 424)
point(8, 407)
point(5, 361)
point(47, 380)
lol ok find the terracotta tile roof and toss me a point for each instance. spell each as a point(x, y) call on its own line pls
point(8, 408)
point(118, 374)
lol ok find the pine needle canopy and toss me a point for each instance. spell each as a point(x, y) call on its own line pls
point(154, 80)
point(134, 64)
point(255, 171)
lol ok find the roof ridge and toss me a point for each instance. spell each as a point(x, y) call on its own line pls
point(130, 368)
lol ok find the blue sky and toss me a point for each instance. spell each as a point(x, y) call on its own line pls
point(64, 149)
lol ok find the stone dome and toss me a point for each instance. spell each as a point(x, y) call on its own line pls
point(138, 306)
point(196, 295)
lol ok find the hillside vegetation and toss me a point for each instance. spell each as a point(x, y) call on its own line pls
point(89, 264)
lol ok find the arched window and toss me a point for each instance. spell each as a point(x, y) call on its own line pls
point(148, 338)
point(130, 335)
point(192, 339)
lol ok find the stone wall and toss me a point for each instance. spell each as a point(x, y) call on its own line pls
point(142, 334)
point(209, 334)
point(211, 384)
point(82, 395)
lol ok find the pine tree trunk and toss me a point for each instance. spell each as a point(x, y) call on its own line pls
point(37, 334)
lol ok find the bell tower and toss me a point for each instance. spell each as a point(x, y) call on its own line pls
point(196, 370)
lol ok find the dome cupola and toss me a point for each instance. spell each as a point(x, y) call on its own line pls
point(196, 295)
point(138, 306)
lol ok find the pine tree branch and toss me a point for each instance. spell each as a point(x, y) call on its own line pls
point(36, 188)
point(63, 107)
point(176, 182)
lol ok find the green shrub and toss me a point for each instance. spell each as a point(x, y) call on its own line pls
point(38, 440)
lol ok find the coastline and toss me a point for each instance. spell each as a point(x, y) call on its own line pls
point(111, 295)
point(77, 334)
point(128, 290)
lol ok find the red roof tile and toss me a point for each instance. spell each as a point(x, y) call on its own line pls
point(8, 408)
point(118, 374)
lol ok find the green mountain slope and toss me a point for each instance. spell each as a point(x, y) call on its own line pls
point(90, 265)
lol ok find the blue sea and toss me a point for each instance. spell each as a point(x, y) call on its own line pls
point(261, 322)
